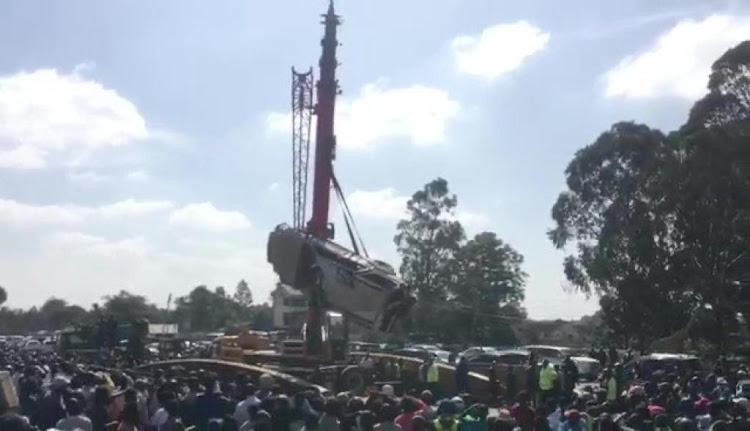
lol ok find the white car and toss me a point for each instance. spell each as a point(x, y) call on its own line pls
point(36, 345)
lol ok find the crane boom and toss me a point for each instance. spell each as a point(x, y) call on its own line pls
point(325, 140)
point(333, 277)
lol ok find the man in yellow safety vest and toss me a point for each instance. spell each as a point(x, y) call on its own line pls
point(547, 378)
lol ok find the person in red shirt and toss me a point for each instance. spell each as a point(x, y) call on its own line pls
point(522, 412)
point(411, 408)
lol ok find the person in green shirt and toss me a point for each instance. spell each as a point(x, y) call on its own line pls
point(547, 378)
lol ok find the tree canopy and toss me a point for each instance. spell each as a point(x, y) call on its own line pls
point(474, 286)
point(658, 223)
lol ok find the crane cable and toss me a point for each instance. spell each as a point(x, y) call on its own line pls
point(349, 219)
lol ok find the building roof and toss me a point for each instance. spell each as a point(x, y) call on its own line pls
point(285, 290)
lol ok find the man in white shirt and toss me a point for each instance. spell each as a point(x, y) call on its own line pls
point(242, 412)
point(75, 420)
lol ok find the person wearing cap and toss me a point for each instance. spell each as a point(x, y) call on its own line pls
point(573, 422)
point(446, 420)
point(722, 390)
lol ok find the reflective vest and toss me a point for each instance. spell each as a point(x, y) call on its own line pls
point(547, 377)
point(439, 425)
point(433, 375)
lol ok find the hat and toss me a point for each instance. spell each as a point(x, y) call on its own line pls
point(744, 403)
point(503, 414)
point(654, 410)
point(60, 382)
point(388, 390)
point(721, 381)
point(266, 381)
point(572, 414)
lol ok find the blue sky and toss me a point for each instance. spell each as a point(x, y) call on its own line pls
point(145, 145)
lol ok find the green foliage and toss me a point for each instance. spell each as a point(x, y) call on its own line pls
point(466, 290)
point(200, 310)
point(3, 295)
point(127, 307)
point(243, 295)
point(659, 223)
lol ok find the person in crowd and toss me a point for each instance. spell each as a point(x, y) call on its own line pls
point(547, 379)
point(522, 412)
point(461, 374)
point(75, 419)
point(446, 420)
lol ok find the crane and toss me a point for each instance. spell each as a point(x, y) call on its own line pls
point(304, 255)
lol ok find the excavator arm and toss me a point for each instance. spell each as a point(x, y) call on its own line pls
point(367, 291)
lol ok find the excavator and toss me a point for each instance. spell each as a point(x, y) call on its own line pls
point(341, 285)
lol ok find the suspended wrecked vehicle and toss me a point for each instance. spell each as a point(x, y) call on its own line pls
point(366, 291)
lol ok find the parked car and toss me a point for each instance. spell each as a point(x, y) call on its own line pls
point(588, 368)
point(411, 352)
point(481, 363)
point(554, 354)
point(471, 352)
point(670, 363)
point(36, 345)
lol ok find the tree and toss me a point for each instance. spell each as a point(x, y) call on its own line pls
point(243, 296)
point(3, 295)
point(661, 224)
point(427, 241)
point(486, 285)
point(728, 98)
point(127, 307)
point(56, 313)
point(617, 212)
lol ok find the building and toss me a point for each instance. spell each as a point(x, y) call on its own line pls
point(289, 307)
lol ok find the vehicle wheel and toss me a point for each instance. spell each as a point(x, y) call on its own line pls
point(352, 380)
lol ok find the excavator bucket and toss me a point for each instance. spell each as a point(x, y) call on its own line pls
point(366, 290)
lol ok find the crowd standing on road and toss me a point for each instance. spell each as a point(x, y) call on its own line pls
point(52, 392)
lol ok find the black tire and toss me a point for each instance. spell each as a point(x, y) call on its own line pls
point(352, 380)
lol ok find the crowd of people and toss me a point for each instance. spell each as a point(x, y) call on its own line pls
point(46, 391)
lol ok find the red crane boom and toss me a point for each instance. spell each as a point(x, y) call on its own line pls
point(325, 140)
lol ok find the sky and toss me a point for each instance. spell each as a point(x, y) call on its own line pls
point(146, 145)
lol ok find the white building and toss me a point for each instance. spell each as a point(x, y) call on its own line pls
point(289, 308)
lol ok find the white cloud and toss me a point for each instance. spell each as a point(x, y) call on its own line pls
point(81, 244)
point(132, 207)
point(273, 187)
point(417, 113)
point(206, 216)
point(138, 176)
point(20, 214)
point(87, 177)
point(679, 61)
point(384, 204)
point(87, 266)
point(499, 49)
point(472, 221)
point(46, 114)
